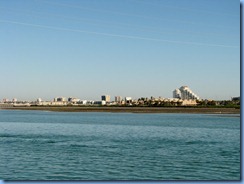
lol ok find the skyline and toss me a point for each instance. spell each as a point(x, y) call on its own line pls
point(130, 48)
point(183, 93)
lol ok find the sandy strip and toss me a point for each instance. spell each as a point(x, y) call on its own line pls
point(132, 109)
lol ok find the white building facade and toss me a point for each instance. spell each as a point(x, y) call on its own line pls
point(177, 94)
point(185, 93)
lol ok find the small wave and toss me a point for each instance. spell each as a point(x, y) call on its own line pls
point(51, 141)
point(29, 138)
point(8, 135)
point(78, 146)
point(201, 142)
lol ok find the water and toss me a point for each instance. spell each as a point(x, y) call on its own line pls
point(38, 145)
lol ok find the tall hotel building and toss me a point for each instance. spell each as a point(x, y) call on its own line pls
point(185, 93)
point(177, 94)
point(118, 99)
point(105, 98)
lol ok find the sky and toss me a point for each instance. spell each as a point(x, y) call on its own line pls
point(136, 48)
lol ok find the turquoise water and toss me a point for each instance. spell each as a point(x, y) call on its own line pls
point(38, 145)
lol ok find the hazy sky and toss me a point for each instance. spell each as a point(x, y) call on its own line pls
point(137, 48)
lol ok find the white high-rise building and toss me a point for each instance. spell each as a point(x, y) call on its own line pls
point(185, 93)
point(177, 94)
point(105, 98)
point(118, 99)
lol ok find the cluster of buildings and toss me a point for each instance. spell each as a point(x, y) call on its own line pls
point(71, 101)
point(182, 96)
point(62, 101)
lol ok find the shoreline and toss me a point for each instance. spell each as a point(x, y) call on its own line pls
point(194, 110)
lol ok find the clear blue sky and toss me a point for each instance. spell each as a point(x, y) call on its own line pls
point(137, 48)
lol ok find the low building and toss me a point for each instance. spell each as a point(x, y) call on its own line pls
point(73, 100)
point(59, 99)
point(59, 103)
point(189, 103)
point(90, 102)
point(235, 99)
point(22, 104)
point(103, 102)
point(5, 100)
point(128, 100)
point(82, 102)
point(43, 103)
point(14, 100)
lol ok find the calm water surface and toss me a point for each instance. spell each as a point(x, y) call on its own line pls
point(38, 145)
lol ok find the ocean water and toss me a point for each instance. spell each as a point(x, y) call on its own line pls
point(39, 145)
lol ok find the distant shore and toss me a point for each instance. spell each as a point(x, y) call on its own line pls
point(196, 110)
